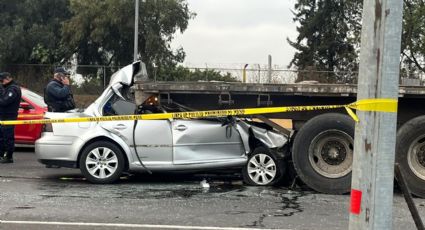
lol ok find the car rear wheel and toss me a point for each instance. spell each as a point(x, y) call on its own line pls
point(102, 162)
point(263, 168)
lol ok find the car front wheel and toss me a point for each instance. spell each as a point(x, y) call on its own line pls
point(102, 162)
point(263, 168)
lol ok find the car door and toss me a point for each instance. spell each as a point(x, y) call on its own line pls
point(28, 134)
point(152, 138)
point(204, 141)
point(154, 142)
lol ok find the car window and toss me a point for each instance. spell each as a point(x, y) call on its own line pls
point(117, 106)
point(121, 107)
point(33, 97)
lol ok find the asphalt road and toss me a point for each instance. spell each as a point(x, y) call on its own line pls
point(34, 197)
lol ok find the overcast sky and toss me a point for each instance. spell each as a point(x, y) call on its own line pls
point(238, 31)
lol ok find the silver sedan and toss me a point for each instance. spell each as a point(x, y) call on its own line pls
point(104, 150)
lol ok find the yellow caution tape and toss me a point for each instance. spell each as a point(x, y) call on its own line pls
point(373, 105)
point(352, 114)
point(376, 105)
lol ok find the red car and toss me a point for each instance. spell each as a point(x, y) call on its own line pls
point(32, 107)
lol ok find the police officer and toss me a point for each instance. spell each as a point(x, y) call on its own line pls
point(10, 98)
point(57, 94)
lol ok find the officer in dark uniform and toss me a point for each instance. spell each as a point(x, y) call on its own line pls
point(57, 94)
point(10, 98)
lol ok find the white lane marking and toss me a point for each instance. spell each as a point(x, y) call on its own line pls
point(117, 225)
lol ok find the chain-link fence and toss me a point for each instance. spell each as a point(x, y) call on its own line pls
point(263, 74)
point(283, 76)
point(88, 82)
point(86, 79)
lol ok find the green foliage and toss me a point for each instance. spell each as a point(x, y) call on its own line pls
point(325, 40)
point(91, 86)
point(181, 73)
point(316, 47)
point(413, 38)
point(102, 31)
point(95, 32)
point(31, 31)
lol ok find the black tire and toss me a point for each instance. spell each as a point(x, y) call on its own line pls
point(102, 147)
point(266, 179)
point(323, 153)
point(411, 137)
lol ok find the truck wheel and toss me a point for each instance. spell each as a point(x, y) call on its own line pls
point(410, 154)
point(263, 168)
point(323, 153)
point(102, 162)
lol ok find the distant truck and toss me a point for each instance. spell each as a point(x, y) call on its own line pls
point(322, 141)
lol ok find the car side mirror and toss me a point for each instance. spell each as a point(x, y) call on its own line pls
point(25, 106)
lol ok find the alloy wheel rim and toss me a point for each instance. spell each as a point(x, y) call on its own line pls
point(262, 169)
point(101, 162)
point(416, 157)
point(331, 154)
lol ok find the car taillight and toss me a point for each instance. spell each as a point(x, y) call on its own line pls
point(47, 128)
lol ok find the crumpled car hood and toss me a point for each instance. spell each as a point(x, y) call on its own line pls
point(269, 138)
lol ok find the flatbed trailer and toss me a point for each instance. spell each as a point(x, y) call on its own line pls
point(322, 149)
point(219, 95)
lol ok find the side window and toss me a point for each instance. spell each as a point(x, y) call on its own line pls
point(117, 106)
point(121, 107)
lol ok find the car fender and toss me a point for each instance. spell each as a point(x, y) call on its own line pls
point(101, 133)
point(243, 130)
point(270, 139)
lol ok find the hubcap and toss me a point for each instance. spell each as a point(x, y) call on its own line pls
point(261, 169)
point(331, 153)
point(101, 162)
point(416, 157)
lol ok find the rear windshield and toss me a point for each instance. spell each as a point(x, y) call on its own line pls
point(33, 97)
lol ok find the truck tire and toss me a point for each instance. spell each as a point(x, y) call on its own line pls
point(323, 153)
point(410, 154)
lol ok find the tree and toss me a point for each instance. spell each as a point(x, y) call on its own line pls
point(31, 34)
point(311, 30)
point(30, 31)
point(413, 38)
point(328, 33)
point(101, 32)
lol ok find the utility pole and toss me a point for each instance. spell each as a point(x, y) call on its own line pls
point(375, 136)
point(136, 29)
point(244, 73)
point(269, 72)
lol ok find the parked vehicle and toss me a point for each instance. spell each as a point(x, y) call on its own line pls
point(32, 107)
point(104, 150)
